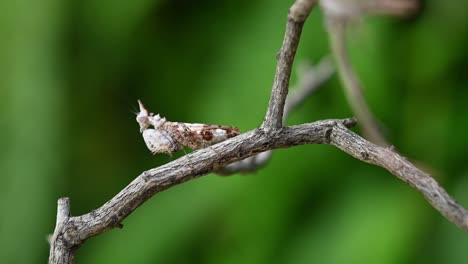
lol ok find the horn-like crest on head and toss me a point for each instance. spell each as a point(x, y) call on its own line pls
point(143, 117)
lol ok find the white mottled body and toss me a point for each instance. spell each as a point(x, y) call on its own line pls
point(159, 141)
point(168, 137)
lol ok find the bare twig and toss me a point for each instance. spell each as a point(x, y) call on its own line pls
point(310, 78)
point(59, 248)
point(399, 8)
point(70, 234)
point(351, 83)
point(338, 14)
point(296, 18)
point(355, 9)
point(72, 231)
point(248, 165)
point(399, 166)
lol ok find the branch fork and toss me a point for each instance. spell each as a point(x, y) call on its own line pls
point(233, 154)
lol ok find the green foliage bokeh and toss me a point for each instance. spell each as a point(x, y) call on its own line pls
point(70, 75)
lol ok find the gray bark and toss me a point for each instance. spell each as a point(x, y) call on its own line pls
point(72, 231)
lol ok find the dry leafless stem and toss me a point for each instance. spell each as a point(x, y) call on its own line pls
point(338, 14)
point(296, 18)
point(351, 84)
point(355, 9)
point(399, 8)
point(72, 231)
point(310, 78)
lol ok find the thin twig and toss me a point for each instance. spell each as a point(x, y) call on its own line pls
point(399, 166)
point(310, 78)
point(309, 81)
point(399, 8)
point(75, 230)
point(352, 86)
point(246, 166)
point(356, 9)
point(59, 248)
point(296, 18)
point(72, 231)
point(338, 14)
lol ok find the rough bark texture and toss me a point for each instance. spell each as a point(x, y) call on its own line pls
point(61, 251)
point(296, 18)
point(351, 84)
point(72, 231)
point(309, 80)
point(399, 166)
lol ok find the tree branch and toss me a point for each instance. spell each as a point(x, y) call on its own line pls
point(60, 250)
point(355, 9)
point(296, 18)
point(351, 84)
point(72, 231)
point(310, 78)
point(338, 15)
point(399, 8)
point(399, 166)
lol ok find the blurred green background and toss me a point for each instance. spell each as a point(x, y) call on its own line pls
point(70, 75)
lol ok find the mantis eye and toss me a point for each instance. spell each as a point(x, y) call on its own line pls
point(141, 119)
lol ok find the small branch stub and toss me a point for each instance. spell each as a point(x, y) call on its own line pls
point(63, 210)
point(60, 249)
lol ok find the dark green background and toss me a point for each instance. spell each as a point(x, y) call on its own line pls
point(70, 75)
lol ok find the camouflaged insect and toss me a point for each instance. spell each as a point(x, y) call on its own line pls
point(168, 137)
